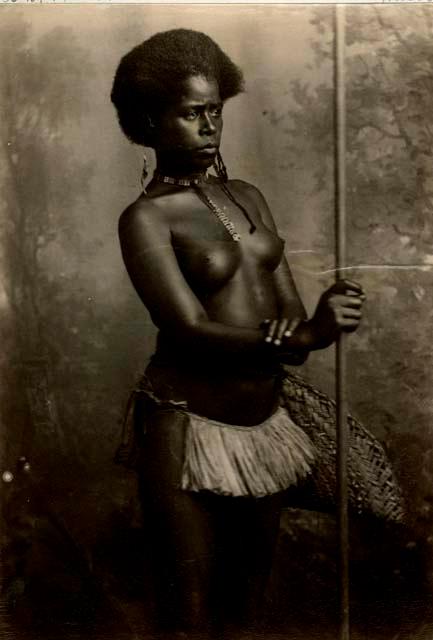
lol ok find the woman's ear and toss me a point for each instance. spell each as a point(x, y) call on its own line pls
point(150, 129)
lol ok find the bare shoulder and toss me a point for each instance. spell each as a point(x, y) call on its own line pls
point(247, 190)
point(254, 198)
point(141, 214)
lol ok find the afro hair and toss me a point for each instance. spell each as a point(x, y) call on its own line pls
point(149, 76)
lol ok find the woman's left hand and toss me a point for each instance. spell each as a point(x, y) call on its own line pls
point(339, 310)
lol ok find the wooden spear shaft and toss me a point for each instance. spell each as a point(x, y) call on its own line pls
point(340, 368)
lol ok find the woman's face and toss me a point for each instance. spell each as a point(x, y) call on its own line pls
point(188, 132)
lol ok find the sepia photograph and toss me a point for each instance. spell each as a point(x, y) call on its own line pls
point(216, 294)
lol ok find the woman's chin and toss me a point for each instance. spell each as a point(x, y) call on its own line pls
point(210, 160)
point(202, 164)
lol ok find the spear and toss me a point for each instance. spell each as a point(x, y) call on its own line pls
point(340, 362)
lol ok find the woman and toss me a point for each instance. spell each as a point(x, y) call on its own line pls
point(205, 257)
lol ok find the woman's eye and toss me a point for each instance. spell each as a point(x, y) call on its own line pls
point(191, 115)
point(217, 112)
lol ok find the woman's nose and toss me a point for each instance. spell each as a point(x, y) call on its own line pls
point(208, 125)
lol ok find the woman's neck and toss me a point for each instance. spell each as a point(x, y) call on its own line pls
point(179, 172)
point(184, 176)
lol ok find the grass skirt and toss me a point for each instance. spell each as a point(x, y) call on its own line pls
point(298, 441)
point(245, 461)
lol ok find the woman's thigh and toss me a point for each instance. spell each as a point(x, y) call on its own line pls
point(212, 553)
point(180, 526)
point(247, 532)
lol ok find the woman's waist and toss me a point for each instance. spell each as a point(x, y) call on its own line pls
point(232, 396)
point(170, 353)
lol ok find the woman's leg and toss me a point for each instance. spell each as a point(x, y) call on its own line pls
point(212, 554)
point(181, 529)
point(247, 534)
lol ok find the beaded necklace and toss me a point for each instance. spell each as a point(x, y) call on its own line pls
point(222, 217)
point(180, 182)
point(216, 210)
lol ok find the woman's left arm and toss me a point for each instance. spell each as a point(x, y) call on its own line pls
point(339, 307)
point(291, 311)
point(289, 301)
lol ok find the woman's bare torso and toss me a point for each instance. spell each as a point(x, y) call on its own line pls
point(234, 283)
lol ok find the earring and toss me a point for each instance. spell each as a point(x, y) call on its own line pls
point(144, 173)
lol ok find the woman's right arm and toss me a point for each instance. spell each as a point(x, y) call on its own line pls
point(150, 260)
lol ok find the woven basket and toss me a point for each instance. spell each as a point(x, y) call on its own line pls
point(373, 488)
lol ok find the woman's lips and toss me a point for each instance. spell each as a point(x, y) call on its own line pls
point(208, 150)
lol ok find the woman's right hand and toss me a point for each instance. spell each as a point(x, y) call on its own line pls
point(278, 334)
point(278, 330)
point(339, 309)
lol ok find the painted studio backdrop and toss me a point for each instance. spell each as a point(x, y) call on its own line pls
point(75, 337)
